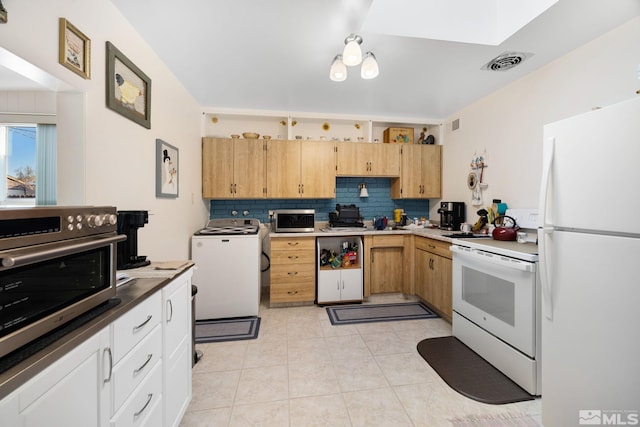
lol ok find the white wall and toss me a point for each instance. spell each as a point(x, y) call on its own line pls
point(116, 162)
point(509, 123)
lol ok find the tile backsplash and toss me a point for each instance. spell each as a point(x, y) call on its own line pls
point(379, 202)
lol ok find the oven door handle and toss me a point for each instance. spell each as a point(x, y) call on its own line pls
point(18, 259)
point(495, 259)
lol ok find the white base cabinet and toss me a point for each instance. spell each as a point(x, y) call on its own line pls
point(68, 393)
point(134, 372)
point(340, 282)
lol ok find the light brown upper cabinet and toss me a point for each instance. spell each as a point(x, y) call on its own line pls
point(300, 169)
point(421, 174)
point(233, 168)
point(368, 159)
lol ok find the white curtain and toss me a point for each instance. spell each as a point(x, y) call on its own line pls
point(46, 164)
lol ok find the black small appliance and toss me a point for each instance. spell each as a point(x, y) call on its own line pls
point(452, 214)
point(128, 224)
point(345, 216)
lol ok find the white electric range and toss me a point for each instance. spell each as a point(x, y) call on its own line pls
point(497, 305)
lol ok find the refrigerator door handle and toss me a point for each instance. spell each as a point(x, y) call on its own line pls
point(547, 303)
point(547, 163)
point(545, 230)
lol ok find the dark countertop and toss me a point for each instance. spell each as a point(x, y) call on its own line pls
point(148, 281)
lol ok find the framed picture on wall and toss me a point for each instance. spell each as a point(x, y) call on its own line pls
point(74, 51)
point(166, 170)
point(128, 88)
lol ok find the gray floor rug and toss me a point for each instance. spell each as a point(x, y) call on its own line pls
point(468, 373)
point(369, 313)
point(242, 328)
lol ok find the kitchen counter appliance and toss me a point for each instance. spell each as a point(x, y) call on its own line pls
point(294, 220)
point(56, 264)
point(589, 269)
point(345, 216)
point(452, 214)
point(227, 257)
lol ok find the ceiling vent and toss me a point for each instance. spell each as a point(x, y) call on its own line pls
point(506, 61)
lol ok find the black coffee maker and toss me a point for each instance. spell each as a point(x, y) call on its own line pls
point(128, 224)
point(452, 214)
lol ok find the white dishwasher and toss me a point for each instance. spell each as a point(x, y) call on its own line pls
point(226, 254)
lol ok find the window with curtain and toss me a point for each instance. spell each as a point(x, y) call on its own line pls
point(28, 164)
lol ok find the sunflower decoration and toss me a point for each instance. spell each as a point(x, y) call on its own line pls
point(294, 122)
point(326, 126)
point(283, 122)
point(214, 120)
point(357, 126)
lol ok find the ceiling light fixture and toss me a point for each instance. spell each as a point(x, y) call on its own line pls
point(352, 56)
point(369, 68)
point(338, 71)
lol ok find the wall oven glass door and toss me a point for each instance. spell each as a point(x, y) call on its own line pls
point(498, 294)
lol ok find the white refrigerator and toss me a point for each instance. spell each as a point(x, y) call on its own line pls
point(589, 248)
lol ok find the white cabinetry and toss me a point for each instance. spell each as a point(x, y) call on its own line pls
point(341, 281)
point(177, 354)
point(67, 393)
point(135, 372)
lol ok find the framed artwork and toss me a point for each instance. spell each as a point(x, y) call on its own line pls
point(128, 88)
point(166, 170)
point(74, 50)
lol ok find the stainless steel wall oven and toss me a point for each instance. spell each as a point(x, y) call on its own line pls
point(56, 263)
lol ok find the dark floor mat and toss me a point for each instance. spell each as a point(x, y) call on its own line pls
point(468, 373)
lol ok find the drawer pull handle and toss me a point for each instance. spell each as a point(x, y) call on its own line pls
point(431, 246)
point(292, 273)
point(141, 325)
point(149, 397)
point(293, 243)
point(137, 371)
point(293, 257)
point(292, 292)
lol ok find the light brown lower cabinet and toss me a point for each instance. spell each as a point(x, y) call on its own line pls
point(293, 270)
point(433, 274)
point(386, 268)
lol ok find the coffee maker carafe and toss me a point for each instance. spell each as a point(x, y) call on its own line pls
point(452, 214)
point(128, 224)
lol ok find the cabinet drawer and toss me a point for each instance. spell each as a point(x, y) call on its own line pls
point(292, 292)
point(297, 243)
point(393, 241)
point(134, 325)
point(134, 367)
point(143, 405)
point(292, 257)
point(434, 246)
point(293, 273)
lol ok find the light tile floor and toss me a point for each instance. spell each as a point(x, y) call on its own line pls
point(303, 371)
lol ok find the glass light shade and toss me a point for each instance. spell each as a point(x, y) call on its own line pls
point(363, 190)
point(352, 54)
point(369, 69)
point(338, 72)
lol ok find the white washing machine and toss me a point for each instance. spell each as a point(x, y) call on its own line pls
point(227, 258)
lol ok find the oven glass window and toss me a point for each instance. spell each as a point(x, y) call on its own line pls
point(490, 294)
point(34, 291)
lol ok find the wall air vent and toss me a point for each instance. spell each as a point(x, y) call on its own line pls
point(506, 61)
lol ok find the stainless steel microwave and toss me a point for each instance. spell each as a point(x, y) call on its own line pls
point(294, 220)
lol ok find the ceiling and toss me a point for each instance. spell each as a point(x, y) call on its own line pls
point(275, 55)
